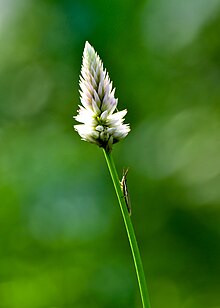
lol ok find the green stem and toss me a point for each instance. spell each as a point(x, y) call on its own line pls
point(130, 231)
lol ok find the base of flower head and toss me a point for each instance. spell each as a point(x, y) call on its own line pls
point(100, 135)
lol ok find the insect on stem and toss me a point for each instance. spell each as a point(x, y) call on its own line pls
point(124, 188)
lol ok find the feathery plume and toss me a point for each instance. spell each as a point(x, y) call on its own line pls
point(100, 125)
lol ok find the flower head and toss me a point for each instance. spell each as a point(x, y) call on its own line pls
point(100, 125)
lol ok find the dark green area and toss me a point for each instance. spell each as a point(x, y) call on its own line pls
point(62, 239)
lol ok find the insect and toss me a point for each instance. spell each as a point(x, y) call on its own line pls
point(124, 189)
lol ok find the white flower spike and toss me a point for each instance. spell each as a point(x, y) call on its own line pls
point(99, 124)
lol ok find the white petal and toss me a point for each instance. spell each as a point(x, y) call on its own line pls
point(99, 128)
point(100, 89)
point(111, 130)
point(96, 98)
point(95, 107)
point(104, 115)
point(86, 133)
point(121, 131)
point(86, 116)
point(112, 105)
point(116, 118)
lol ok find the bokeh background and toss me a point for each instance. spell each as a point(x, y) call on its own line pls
point(62, 239)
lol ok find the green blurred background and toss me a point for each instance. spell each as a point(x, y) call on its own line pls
point(62, 239)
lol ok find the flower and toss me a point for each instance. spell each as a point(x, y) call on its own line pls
point(100, 125)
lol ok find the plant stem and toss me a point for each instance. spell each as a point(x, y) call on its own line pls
point(130, 231)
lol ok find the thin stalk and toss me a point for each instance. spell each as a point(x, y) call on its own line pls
point(130, 231)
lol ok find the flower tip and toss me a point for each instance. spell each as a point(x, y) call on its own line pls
point(88, 47)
